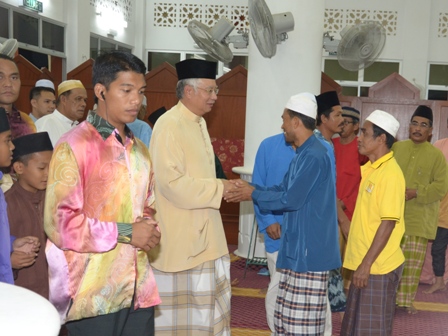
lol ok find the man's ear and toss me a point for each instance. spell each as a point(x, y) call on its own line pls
point(18, 167)
point(98, 89)
point(33, 102)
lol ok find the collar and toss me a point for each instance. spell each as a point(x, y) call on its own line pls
point(187, 113)
point(63, 118)
point(383, 159)
point(34, 198)
point(319, 135)
point(104, 128)
point(308, 142)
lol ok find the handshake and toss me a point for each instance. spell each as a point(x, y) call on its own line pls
point(237, 191)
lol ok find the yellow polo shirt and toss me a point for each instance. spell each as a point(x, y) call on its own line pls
point(381, 197)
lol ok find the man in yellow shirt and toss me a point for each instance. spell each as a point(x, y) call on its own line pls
point(373, 247)
point(192, 264)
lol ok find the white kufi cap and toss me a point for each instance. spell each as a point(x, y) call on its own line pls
point(384, 120)
point(45, 83)
point(303, 103)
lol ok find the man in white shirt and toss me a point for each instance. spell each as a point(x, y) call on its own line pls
point(70, 107)
point(42, 99)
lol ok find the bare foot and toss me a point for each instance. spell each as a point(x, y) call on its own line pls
point(263, 290)
point(411, 310)
point(438, 286)
point(235, 282)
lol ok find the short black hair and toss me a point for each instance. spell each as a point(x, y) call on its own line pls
point(108, 65)
point(24, 158)
point(377, 131)
point(326, 113)
point(308, 122)
point(37, 91)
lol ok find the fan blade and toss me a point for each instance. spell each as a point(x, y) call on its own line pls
point(361, 45)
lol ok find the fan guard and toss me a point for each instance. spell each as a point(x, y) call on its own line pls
point(361, 45)
point(9, 47)
point(268, 30)
point(212, 40)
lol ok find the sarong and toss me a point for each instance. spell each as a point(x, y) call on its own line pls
point(301, 303)
point(370, 310)
point(414, 250)
point(195, 301)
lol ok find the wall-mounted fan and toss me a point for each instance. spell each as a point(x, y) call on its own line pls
point(360, 45)
point(9, 47)
point(268, 30)
point(215, 40)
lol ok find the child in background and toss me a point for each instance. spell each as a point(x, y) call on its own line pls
point(8, 243)
point(25, 199)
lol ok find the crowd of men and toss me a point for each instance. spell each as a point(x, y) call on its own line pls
point(119, 226)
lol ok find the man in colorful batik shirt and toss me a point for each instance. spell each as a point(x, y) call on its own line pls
point(98, 212)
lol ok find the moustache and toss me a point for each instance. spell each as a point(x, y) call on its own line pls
point(417, 133)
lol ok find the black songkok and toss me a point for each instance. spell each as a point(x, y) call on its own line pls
point(156, 115)
point(31, 143)
point(423, 111)
point(194, 68)
point(4, 122)
point(325, 101)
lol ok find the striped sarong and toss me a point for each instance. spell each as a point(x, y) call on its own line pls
point(414, 250)
point(370, 310)
point(301, 303)
point(195, 301)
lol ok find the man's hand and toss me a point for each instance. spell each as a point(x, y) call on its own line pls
point(21, 259)
point(242, 191)
point(345, 228)
point(410, 194)
point(343, 221)
point(145, 233)
point(340, 203)
point(27, 244)
point(228, 185)
point(361, 276)
point(274, 231)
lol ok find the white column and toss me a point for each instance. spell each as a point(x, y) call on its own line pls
point(248, 248)
point(140, 34)
point(77, 16)
point(295, 68)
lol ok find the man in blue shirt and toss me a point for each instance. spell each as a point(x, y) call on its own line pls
point(271, 164)
point(309, 247)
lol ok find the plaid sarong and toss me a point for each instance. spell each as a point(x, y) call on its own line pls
point(370, 310)
point(414, 250)
point(301, 303)
point(195, 301)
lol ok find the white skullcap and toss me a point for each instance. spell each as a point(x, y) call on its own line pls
point(303, 103)
point(45, 83)
point(384, 120)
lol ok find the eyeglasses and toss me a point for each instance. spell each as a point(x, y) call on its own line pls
point(210, 90)
point(417, 124)
point(347, 122)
